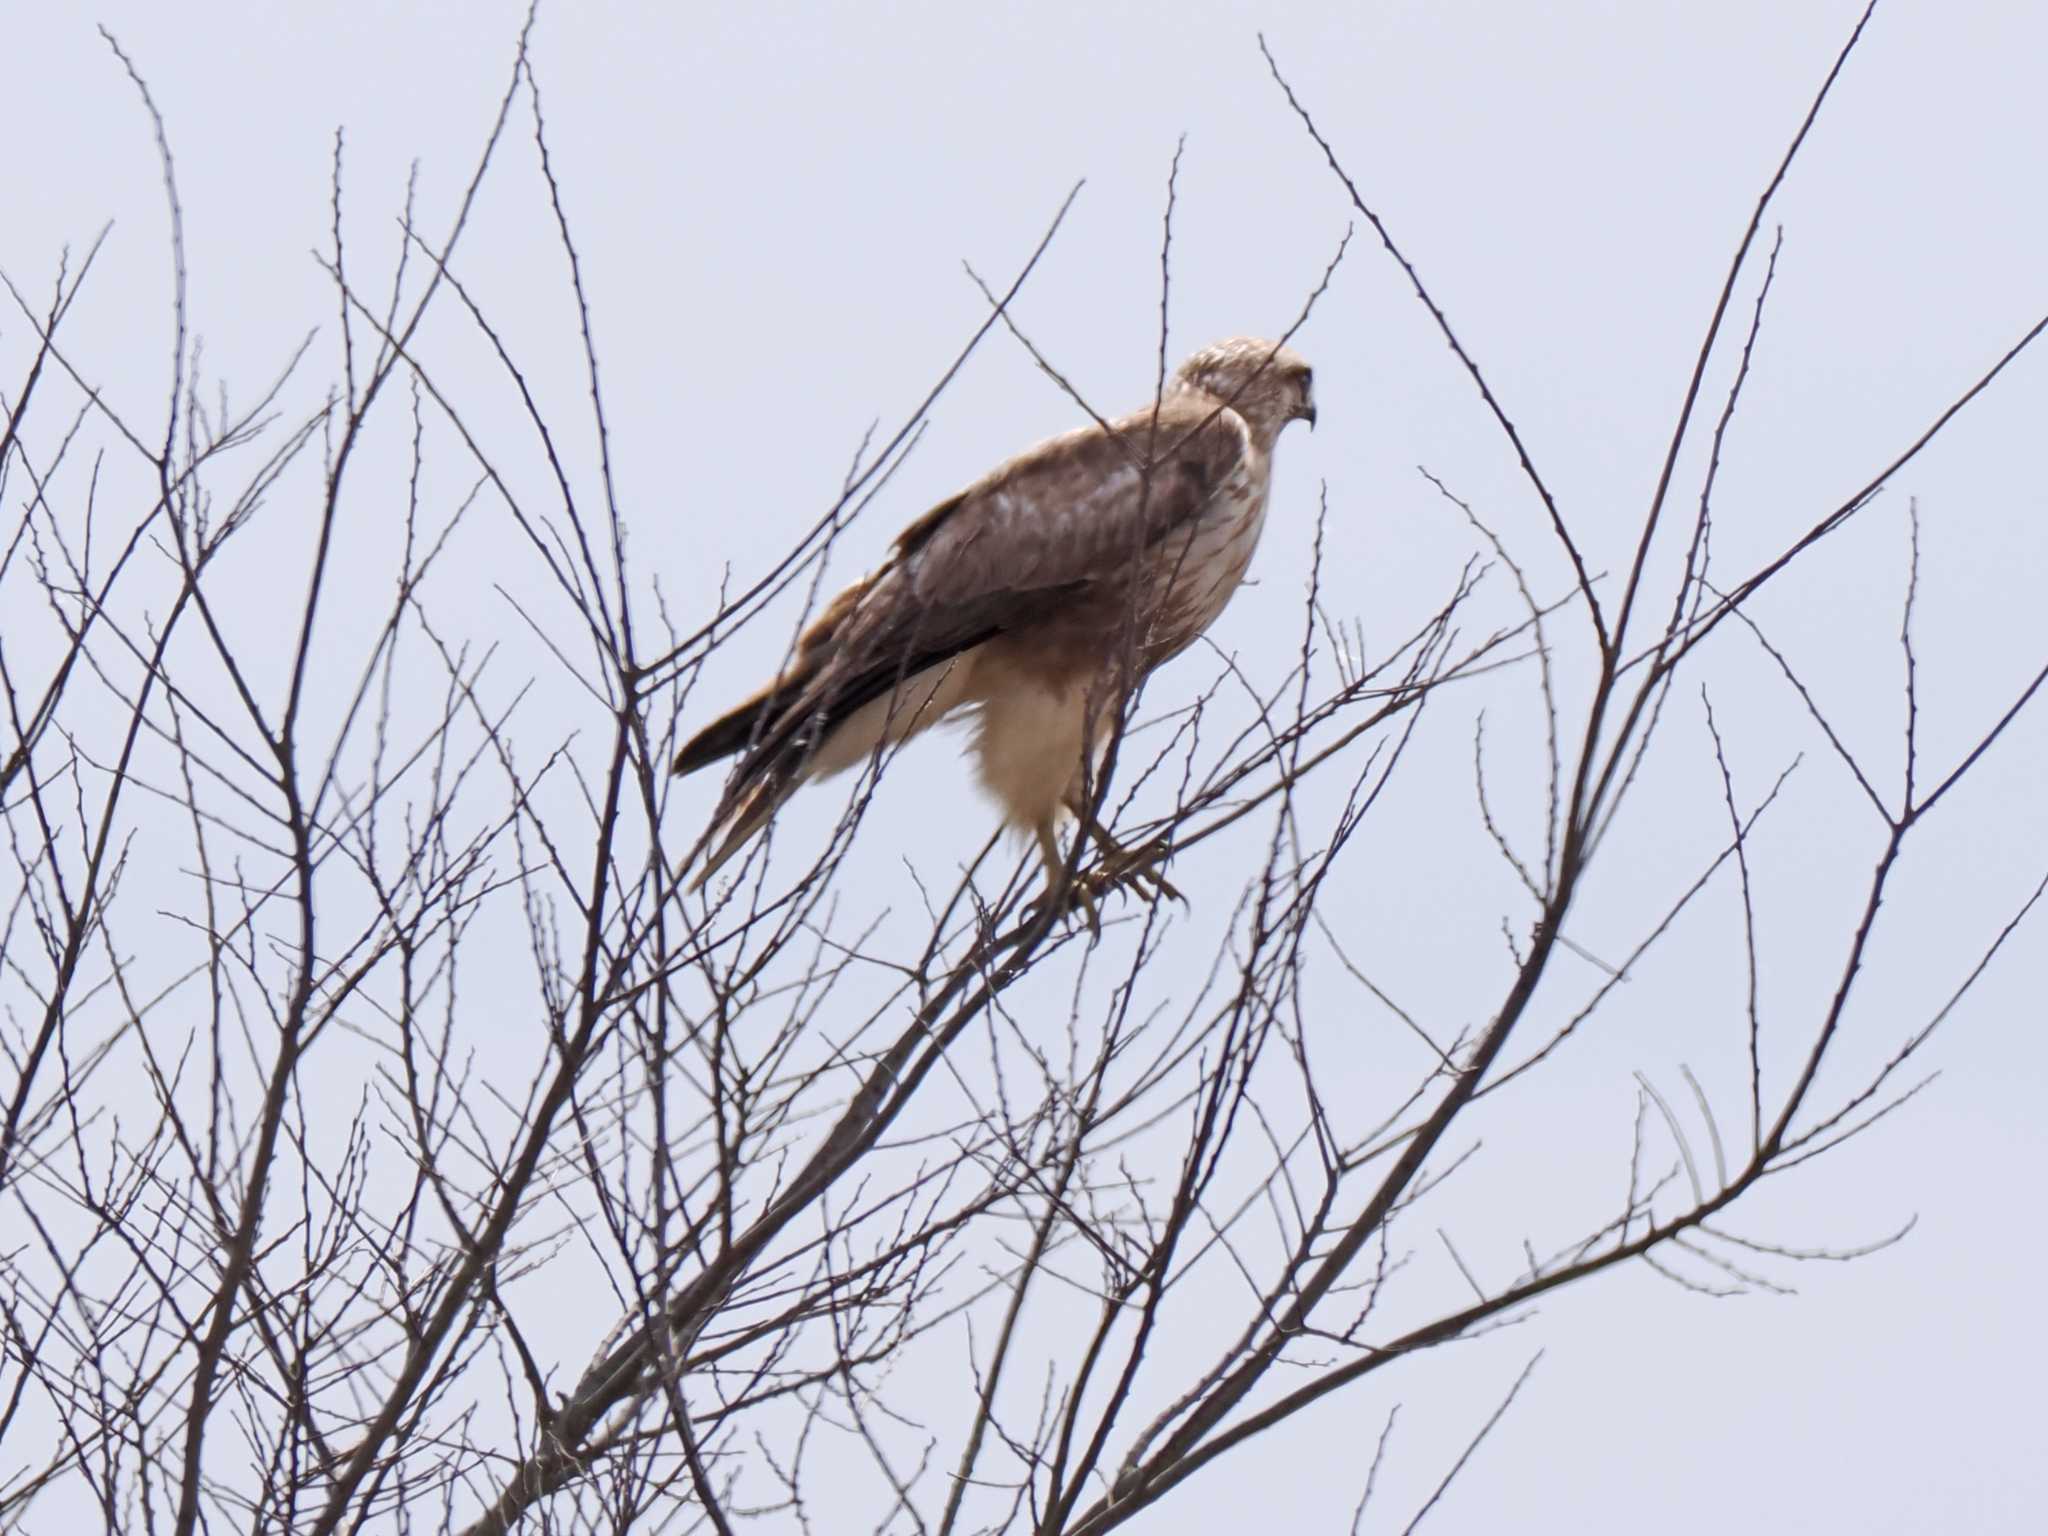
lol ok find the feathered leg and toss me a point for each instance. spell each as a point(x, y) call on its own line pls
point(1081, 894)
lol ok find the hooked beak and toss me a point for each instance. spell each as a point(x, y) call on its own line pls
point(1309, 415)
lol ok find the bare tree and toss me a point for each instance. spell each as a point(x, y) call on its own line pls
point(356, 1020)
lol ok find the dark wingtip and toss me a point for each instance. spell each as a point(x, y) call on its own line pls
point(728, 734)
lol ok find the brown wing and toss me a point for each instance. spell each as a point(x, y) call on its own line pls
point(1076, 507)
point(1074, 511)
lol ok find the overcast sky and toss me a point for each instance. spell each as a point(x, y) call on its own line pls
point(772, 205)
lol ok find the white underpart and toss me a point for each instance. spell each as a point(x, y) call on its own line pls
point(1030, 740)
point(1209, 562)
point(923, 700)
point(1028, 737)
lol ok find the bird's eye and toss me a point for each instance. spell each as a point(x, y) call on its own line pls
point(1308, 381)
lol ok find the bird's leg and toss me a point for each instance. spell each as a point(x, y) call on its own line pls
point(1080, 895)
point(1137, 871)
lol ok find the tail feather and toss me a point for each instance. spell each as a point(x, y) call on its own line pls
point(780, 732)
point(757, 807)
point(731, 732)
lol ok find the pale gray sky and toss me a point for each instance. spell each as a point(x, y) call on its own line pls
point(772, 205)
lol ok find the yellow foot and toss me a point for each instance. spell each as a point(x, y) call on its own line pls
point(1136, 870)
point(1135, 873)
point(1079, 896)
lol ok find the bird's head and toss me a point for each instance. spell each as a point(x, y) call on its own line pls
point(1266, 383)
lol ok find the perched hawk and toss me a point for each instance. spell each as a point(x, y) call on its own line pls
point(1036, 600)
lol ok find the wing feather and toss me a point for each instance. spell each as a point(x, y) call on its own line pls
point(1012, 549)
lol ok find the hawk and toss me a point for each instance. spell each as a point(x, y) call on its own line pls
point(1034, 601)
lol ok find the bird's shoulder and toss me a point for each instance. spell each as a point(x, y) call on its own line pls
point(1190, 444)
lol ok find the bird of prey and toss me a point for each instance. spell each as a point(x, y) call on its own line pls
point(1034, 601)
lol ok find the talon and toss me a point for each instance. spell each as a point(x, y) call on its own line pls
point(1078, 897)
point(1166, 887)
point(1084, 898)
point(1135, 872)
point(1135, 869)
